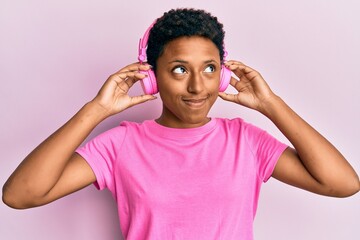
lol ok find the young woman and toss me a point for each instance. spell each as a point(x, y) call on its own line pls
point(183, 175)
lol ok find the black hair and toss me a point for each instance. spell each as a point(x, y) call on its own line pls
point(183, 22)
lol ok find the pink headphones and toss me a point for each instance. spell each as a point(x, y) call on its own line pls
point(149, 85)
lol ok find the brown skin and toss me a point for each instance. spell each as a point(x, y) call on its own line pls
point(188, 75)
point(188, 78)
point(52, 170)
point(315, 164)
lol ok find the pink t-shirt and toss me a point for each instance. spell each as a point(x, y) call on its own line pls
point(198, 183)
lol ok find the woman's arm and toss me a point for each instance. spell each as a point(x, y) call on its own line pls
point(315, 164)
point(53, 170)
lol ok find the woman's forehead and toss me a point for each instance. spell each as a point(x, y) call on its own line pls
point(186, 48)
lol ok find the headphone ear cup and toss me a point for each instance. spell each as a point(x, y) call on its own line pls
point(225, 76)
point(148, 83)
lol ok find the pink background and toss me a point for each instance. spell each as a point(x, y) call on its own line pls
point(55, 55)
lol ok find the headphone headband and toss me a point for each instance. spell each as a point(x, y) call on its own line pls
point(149, 84)
point(143, 44)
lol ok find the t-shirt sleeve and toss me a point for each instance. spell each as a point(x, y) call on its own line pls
point(266, 149)
point(101, 154)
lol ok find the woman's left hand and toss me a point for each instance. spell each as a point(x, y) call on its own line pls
point(315, 165)
point(253, 91)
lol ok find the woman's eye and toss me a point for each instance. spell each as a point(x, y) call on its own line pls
point(179, 70)
point(209, 69)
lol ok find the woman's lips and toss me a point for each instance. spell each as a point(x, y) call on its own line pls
point(195, 102)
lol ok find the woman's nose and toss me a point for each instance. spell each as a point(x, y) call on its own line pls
point(195, 83)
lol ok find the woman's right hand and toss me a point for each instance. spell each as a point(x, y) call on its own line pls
point(113, 96)
point(52, 170)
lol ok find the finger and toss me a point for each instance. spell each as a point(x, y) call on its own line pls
point(231, 62)
point(133, 78)
point(123, 76)
point(145, 67)
point(130, 80)
point(241, 70)
point(236, 67)
point(240, 85)
point(124, 81)
point(236, 64)
point(234, 82)
point(141, 99)
point(228, 97)
point(135, 67)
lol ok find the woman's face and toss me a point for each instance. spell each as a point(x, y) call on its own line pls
point(188, 78)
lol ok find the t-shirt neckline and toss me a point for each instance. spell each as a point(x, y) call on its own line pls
point(169, 132)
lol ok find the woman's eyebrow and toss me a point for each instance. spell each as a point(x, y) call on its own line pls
point(183, 61)
point(210, 61)
point(178, 61)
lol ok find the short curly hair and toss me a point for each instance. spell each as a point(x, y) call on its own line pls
point(183, 22)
